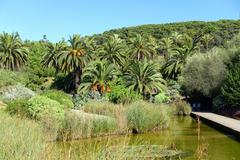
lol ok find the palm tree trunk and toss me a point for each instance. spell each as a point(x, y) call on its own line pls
point(77, 81)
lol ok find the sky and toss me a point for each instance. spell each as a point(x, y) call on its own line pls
point(61, 18)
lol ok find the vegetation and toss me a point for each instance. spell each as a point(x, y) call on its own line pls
point(130, 80)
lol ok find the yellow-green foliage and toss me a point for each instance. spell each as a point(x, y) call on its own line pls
point(59, 96)
point(20, 139)
point(143, 117)
point(181, 108)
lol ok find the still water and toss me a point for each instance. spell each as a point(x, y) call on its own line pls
point(198, 141)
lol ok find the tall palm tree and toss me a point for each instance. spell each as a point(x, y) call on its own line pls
point(166, 46)
point(97, 75)
point(51, 58)
point(113, 50)
point(13, 52)
point(141, 47)
point(174, 65)
point(144, 77)
point(75, 58)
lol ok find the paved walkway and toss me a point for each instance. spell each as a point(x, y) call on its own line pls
point(230, 123)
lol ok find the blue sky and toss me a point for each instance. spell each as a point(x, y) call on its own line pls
point(61, 18)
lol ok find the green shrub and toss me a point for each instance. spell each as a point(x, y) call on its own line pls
point(231, 87)
point(161, 98)
point(18, 107)
point(59, 96)
point(143, 117)
point(204, 73)
point(9, 78)
point(40, 107)
point(121, 94)
point(20, 139)
point(15, 92)
point(181, 108)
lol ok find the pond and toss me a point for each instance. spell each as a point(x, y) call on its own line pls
point(184, 134)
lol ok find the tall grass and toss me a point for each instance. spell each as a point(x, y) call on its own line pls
point(144, 116)
point(20, 139)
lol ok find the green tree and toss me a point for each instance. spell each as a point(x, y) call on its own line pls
point(206, 40)
point(166, 46)
point(231, 87)
point(13, 52)
point(174, 65)
point(141, 47)
point(51, 58)
point(113, 50)
point(98, 75)
point(144, 77)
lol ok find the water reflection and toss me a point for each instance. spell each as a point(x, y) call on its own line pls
point(195, 138)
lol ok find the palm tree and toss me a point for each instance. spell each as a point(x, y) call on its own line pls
point(51, 58)
point(13, 53)
point(141, 47)
point(166, 45)
point(97, 76)
point(144, 77)
point(113, 50)
point(174, 65)
point(177, 38)
point(75, 58)
point(206, 39)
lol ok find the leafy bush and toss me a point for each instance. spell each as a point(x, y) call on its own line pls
point(40, 107)
point(181, 108)
point(161, 98)
point(80, 99)
point(59, 96)
point(17, 107)
point(20, 139)
point(9, 78)
point(231, 87)
point(16, 92)
point(204, 73)
point(143, 116)
point(121, 94)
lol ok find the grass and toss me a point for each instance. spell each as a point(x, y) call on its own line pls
point(20, 139)
point(144, 117)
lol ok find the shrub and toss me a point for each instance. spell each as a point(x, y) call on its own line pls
point(40, 107)
point(16, 92)
point(18, 107)
point(59, 96)
point(121, 94)
point(80, 99)
point(204, 73)
point(143, 116)
point(181, 108)
point(161, 98)
point(20, 139)
point(9, 78)
point(231, 87)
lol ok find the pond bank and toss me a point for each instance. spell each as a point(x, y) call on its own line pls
point(225, 124)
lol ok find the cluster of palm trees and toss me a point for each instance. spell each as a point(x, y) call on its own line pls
point(93, 65)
